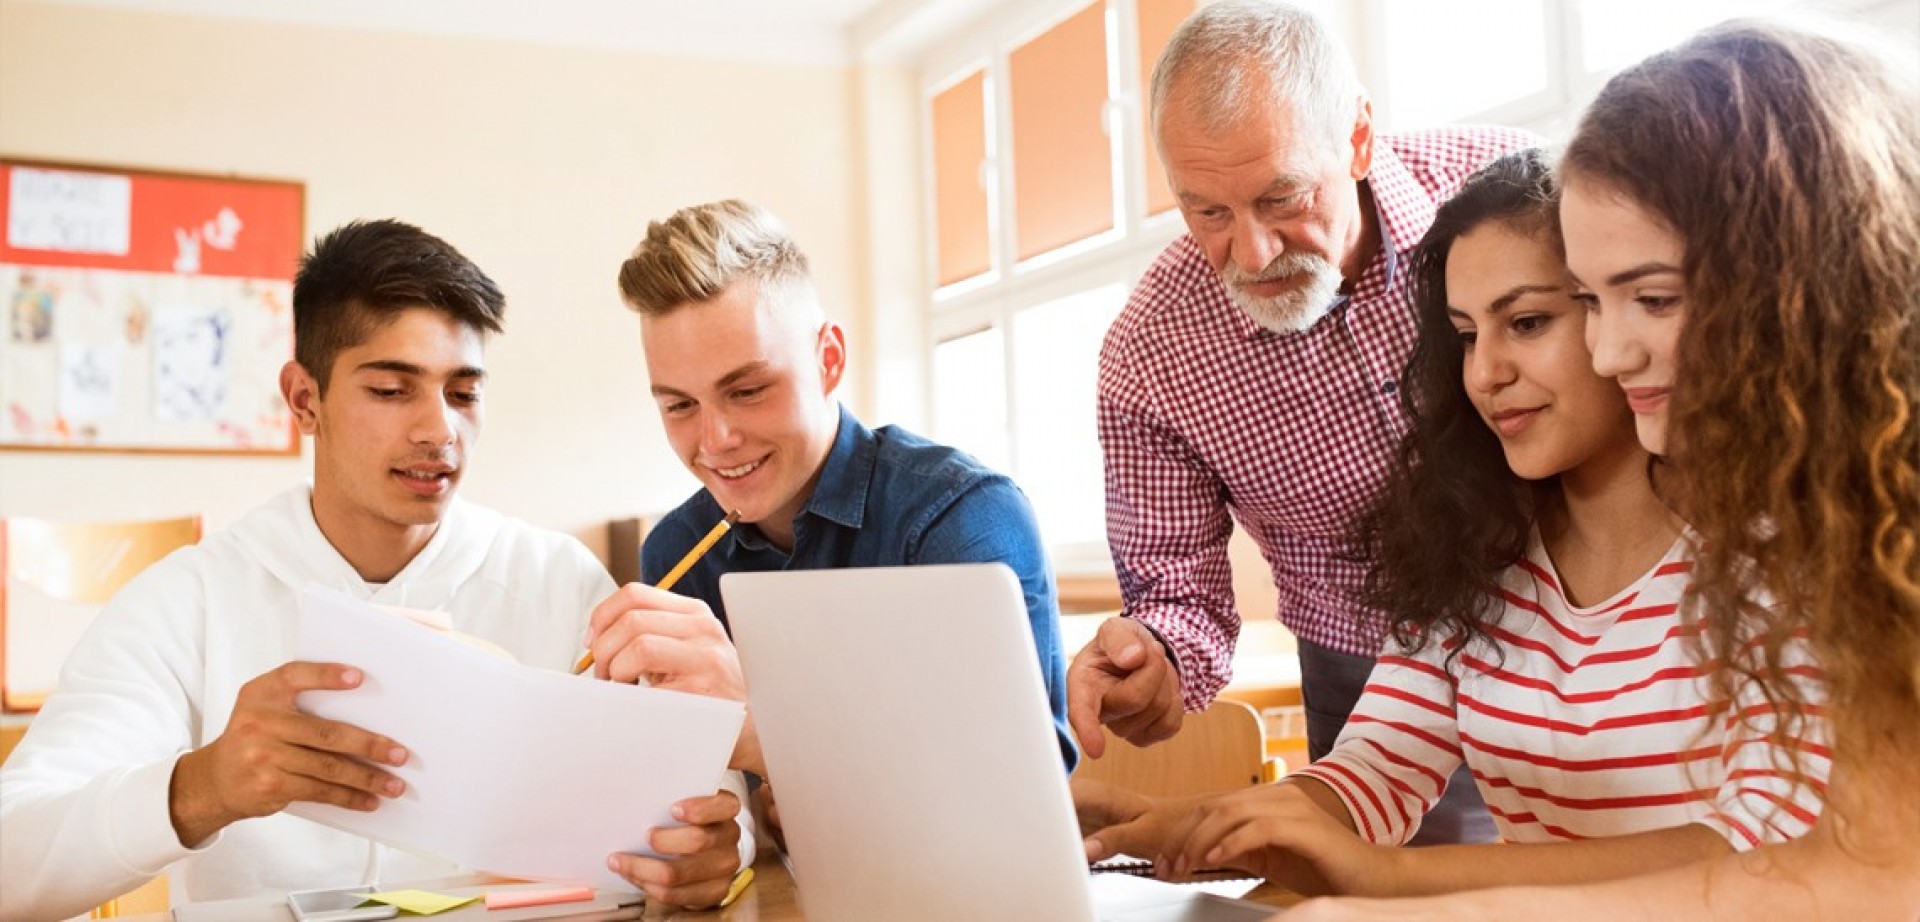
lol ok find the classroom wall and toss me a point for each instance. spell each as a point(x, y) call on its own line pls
point(542, 163)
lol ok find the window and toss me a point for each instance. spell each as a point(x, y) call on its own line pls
point(1063, 188)
point(1045, 211)
point(1494, 58)
point(1534, 63)
point(1618, 33)
point(1055, 363)
point(970, 395)
point(1157, 21)
point(959, 119)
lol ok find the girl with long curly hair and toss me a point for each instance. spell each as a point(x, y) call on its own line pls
point(1744, 213)
point(1534, 575)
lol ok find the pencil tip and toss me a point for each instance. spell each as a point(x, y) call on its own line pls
point(733, 517)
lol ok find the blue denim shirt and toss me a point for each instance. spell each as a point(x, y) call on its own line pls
point(885, 497)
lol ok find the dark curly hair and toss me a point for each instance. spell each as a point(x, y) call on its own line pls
point(1453, 516)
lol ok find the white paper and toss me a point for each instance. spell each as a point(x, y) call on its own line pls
point(513, 770)
point(69, 212)
point(89, 381)
point(1125, 898)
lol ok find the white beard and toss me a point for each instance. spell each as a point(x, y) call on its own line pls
point(1296, 310)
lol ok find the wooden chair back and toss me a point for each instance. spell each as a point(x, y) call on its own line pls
point(1222, 748)
point(77, 564)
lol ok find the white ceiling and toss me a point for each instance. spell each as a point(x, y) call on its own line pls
point(786, 31)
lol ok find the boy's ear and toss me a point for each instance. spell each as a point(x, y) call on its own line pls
point(833, 356)
point(301, 392)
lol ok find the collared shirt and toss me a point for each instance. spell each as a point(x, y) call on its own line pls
point(885, 498)
point(1206, 415)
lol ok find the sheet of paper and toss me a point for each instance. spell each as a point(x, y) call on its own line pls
point(513, 770)
point(68, 211)
point(89, 381)
point(1125, 898)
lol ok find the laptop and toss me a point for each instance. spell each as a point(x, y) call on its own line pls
point(908, 739)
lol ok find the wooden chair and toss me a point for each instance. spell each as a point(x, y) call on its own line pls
point(76, 567)
point(10, 736)
point(1222, 748)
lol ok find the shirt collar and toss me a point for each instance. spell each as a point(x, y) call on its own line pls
point(840, 495)
point(1404, 206)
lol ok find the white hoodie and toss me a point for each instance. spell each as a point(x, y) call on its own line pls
point(83, 800)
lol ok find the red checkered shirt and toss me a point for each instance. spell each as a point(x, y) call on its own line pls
point(1206, 415)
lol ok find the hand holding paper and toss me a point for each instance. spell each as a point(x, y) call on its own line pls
point(513, 770)
point(701, 857)
point(271, 755)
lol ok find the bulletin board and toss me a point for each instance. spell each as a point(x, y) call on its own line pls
point(145, 311)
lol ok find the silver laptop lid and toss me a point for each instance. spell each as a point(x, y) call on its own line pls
point(908, 741)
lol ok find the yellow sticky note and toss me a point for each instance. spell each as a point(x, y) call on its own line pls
point(420, 902)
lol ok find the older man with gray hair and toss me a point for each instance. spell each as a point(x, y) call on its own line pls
point(1252, 375)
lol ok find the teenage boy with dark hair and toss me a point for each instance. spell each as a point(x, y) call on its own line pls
point(173, 744)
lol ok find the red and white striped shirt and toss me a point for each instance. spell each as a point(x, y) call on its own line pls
point(1203, 414)
point(1588, 722)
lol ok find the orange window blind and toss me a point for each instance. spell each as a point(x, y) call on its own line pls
point(1158, 20)
point(960, 197)
point(1062, 160)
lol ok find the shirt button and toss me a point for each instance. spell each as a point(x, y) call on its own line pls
point(1389, 386)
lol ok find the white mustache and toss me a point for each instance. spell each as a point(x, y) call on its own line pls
point(1284, 266)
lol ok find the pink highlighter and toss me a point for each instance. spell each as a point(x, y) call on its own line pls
point(514, 899)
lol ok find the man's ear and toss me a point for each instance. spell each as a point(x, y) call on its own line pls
point(833, 356)
point(1362, 141)
point(302, 393)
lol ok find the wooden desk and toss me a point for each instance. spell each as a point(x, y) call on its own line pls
point(773, 898)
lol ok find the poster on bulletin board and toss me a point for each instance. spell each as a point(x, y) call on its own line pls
point(145, 311)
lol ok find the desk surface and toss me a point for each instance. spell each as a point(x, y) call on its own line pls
point(772, 898)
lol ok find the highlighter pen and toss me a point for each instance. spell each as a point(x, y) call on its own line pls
point(679, 569)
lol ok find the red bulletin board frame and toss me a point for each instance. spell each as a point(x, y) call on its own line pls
point(163, 204)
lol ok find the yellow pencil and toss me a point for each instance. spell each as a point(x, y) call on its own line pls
point(739, 886)
point(679, 569)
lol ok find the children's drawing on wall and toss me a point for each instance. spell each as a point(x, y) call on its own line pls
point(186, 361)
point(89, 382)
point(191, 368)
point(137, 316)
point(30, 311)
